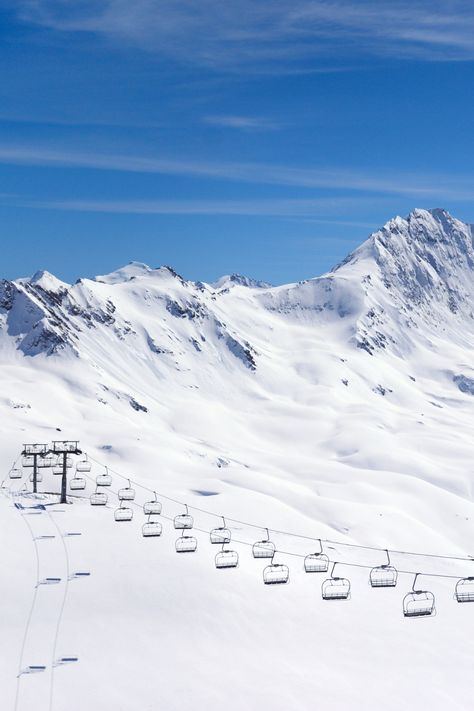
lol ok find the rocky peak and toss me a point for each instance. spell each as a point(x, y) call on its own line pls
point(427, 256)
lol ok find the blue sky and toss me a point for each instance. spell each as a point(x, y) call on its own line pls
point(266, 138)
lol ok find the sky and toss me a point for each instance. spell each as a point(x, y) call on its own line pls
point(263, 137)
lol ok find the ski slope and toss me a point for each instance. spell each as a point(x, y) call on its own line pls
point(338, 408)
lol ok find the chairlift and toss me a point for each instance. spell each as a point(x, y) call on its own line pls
point(83, 466)
point(151, 529)
point(127, 493)
point(335, 588)
point(220, 535)
point(276, 573)
point(152, 507)
point(15, 473)
point(384, 576)
point(123, 513)
point(57, 469)
point(60, 461)
point(77, 483)
point(316, 562)
point(99, 498)
point(44, 462)
point(464, 591)
point(186, 544)
point(104, 479)
point(264, 549)
point(28, 461)
point(226, 559)
point(418, 603)
point(183, 521)
point(39, 476)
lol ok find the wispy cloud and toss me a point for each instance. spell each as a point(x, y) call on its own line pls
point(242, 123)
point(262, 207)
point(436, 187)
point(227, 35)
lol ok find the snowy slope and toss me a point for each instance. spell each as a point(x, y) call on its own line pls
point(340, 407)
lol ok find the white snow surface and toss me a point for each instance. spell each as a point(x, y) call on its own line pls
point(338, 408)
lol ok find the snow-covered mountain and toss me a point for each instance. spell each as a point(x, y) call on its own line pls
point(338, 407)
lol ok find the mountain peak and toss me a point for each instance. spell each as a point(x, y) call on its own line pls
point(48, 282)
point(433, 223)
point(424, 262)
point(229, 280)
point(134, 270)
point(125, 273)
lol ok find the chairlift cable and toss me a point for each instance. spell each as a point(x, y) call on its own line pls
point(289, 533)
point(292, 553)
point(298, 555)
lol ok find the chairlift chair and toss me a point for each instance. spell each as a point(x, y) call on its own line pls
point(316, 562)
point(123, 513)
point(127, 493)
point(335, 588)
point(44, 462)
point(83, 466)
point(264, 549)
point(464, 591)
point(99, 498)
point(104, 479)
point(152, 507)
point(418, 603)
point(151, 529)
point(220, 535)
point(59, 462)
point(384, 576)
point(77, 483)
point(39, 476)
point(183, 521)
point(58, 465)
point(15, 473)
point(276, 574)
point(226, 559)
point(27, 461)
point(186, 544)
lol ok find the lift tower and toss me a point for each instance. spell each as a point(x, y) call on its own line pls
point(63, 449)
point(35, 456)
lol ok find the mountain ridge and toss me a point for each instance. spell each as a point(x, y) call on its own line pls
point(407, 272)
